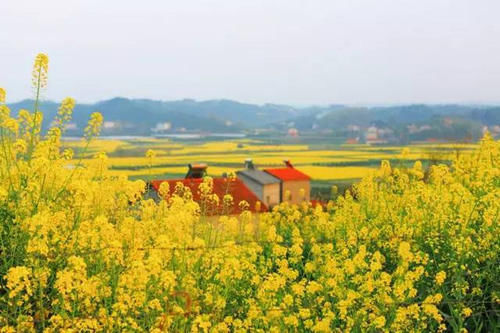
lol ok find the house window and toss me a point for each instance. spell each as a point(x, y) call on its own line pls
point(268, 199)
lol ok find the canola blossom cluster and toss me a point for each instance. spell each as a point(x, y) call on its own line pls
point(406, 250)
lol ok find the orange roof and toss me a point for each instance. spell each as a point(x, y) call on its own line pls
point(351, 141)
point(287, 174)
point(222, 186)
point(316, 203)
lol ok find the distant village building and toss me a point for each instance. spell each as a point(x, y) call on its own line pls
point(412, 129)
point(161, 127)
point(352, 141)
point(495, 130)
point(293, 132)
point(109, 124)
point(371, 133)
point(295, 186)
point(265, 186)
point(221, 186)
point(374, 135)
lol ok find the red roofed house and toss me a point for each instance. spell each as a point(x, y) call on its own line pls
point(293, 182)
point(221, 186)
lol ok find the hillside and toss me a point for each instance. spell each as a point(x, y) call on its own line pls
point(146, 117)
point(402, 123)
point(140, 116)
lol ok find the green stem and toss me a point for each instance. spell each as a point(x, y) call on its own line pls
point(35, 110)
point(66, 182)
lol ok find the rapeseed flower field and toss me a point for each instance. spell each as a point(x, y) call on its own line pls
point(324, 164)
point(126, 157)
point(406, 250)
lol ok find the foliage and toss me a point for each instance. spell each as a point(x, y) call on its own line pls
point(80, 250)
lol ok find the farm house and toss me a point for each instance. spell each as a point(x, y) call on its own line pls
point(221, 186)
point(265, 186)
point(295, 186)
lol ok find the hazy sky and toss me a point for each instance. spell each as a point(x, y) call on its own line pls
point(282, 51)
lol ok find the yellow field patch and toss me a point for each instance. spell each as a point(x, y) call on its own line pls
point(332, 173)
point(173, 157)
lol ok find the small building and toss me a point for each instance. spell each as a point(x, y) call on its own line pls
point(196, 171)
point(293, 132)
point(295, 186)
point(352, 141)
point(372, 133)
point(265, 186)
point(221, 186)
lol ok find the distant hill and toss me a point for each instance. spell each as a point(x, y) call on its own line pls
point(145, 117)
point(402, 123)
point(340, 117)
point(140, 116)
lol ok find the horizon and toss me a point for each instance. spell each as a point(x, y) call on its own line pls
point(368, 105)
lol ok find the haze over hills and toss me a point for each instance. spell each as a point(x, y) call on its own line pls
point(141, 116)
point(150, 117)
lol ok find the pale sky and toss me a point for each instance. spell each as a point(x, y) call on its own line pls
point(258, 51)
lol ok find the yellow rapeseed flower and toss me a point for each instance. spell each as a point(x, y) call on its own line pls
point(40, 71)
point(2, 95)
point(440, 277)
point(466, 312)
point(94, 125)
